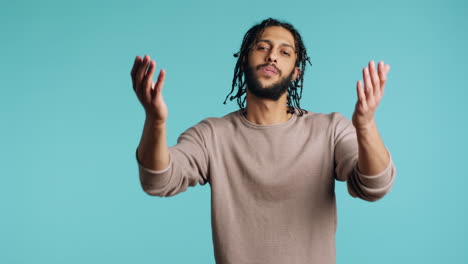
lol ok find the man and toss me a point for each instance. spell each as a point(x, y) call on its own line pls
point(271, 165)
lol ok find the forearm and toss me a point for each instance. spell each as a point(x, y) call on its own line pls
point(153, 152)
point(373, 155)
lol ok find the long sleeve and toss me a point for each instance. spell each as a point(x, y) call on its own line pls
point(366, 187)
point(271, 186)
point(188, 164)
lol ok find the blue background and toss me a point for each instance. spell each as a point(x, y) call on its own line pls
point(70, 123)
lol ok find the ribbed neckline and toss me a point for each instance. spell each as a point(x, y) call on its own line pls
point(257, 126)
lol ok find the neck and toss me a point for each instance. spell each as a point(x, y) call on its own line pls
point(267, 112)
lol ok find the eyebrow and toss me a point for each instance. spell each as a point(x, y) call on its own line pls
point(271, 43)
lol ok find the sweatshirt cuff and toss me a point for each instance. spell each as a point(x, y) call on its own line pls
point(380, 180)
point(140, 165)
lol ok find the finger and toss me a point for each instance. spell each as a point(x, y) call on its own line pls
point(361, 95)
point(147, 81)
point(375, 79)
point(153, 89)
point(136, 65)
point(386, 69)
point(367, 83)
point(381, 71)
point(160, 82)
point(142, 72)
point(382, 76)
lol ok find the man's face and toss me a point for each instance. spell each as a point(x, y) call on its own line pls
point(271, 63)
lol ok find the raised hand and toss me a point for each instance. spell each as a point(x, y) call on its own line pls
point(148, 92)
point(370, 95)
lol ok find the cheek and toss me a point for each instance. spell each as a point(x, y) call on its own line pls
point(252, 61)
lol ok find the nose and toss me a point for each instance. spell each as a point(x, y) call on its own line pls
point(272, 56)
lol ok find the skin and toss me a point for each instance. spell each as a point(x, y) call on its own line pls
point(272, 48)
point(153, 152)
point(373, 155)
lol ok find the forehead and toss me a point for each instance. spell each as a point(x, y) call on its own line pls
point(278, 35)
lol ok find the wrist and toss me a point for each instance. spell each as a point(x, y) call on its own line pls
point(154, 122)
point(366, 129)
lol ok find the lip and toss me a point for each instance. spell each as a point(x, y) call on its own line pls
point(270, 70)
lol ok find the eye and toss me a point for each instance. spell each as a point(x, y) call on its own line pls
point(262, 47)
point(285, 53)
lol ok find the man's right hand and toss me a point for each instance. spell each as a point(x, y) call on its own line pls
point(147, 91)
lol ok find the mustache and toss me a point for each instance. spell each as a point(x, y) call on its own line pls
point(268, 64)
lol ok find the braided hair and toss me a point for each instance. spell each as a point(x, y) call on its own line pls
point(295, 87)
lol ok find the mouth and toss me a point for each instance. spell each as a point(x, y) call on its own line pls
point(269, 70)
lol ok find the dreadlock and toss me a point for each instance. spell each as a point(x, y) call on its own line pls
point(295, 87)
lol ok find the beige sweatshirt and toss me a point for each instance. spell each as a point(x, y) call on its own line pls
point(272, 186)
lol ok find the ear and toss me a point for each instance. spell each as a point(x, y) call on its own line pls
point(296, 73)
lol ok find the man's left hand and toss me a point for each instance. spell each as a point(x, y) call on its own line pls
point(369, 97)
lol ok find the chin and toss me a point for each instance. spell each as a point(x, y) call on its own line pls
point(267, 82)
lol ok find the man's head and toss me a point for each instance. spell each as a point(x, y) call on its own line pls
point(271, 61)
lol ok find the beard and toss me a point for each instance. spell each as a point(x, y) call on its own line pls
point(272, 92)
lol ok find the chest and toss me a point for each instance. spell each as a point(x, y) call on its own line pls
point(276, 166)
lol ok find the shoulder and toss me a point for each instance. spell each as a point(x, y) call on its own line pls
point(219, 121)
point(212, 124)
point(316, 118)
point(331, 124)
